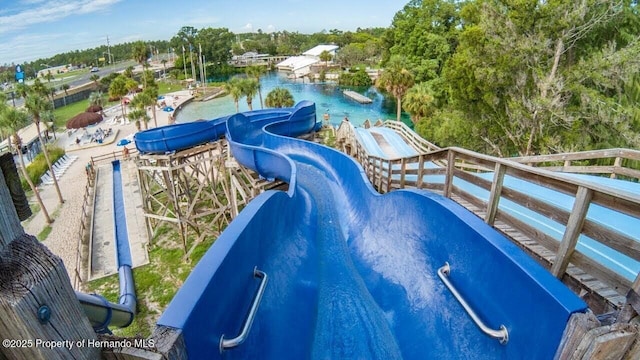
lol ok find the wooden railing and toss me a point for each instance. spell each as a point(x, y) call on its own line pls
point(619, 162)
point(84, 230)
point(462, 164)
point(417, 142)
point(108, 157)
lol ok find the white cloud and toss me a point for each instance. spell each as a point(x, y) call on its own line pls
point(248, 27)
point(50, 12)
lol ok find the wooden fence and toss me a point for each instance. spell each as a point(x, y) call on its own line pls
point(619, 162)
point(436, 170)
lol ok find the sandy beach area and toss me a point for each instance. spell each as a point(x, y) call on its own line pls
point(64, 235)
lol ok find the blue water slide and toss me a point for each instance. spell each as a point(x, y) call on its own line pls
point(101, 313)
point(332, 269)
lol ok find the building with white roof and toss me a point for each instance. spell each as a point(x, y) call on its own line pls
point(301, 65)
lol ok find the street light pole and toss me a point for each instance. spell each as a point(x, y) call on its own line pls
point(184, 63)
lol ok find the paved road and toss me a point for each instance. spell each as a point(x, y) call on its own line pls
point(81, 78)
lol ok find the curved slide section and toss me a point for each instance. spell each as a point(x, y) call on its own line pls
point(356, 274)
point(102, 313)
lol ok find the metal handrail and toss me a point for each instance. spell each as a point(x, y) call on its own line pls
point(502, 334)
point(231, 343)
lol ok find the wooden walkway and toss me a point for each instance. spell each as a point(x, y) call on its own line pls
point(357, 97)
point(604, 290)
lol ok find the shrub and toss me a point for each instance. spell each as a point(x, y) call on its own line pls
point(39, 166)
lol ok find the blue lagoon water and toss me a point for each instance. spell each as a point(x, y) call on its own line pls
point(327, 96)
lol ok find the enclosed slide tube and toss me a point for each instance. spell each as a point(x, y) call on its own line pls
point(102, 313)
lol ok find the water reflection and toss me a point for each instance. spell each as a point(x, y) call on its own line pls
point(327, 96)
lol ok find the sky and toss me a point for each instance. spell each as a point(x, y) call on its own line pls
point(33, 29)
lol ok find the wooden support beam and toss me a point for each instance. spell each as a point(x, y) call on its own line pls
point(496, 191)
point(577, 327)
point(37, 303)
point(10, 227)
point(451, 158)
point(572, 231)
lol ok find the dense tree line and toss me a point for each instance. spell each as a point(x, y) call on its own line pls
point(520, 77)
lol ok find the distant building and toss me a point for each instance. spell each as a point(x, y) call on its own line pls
point(54, 70)
point(301, 65)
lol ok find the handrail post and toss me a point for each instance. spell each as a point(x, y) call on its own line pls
point(617, 163)
point(496, 191)
point(420, 171)
point(572, 231)
point(448, 182)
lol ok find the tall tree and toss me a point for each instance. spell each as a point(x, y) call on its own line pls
point(249, 87)
point(35, 106)
point(140, 54)
point(118, 90)
point(256, 72)
point(65, 89)
point(396, 79)
point(11, 121)
point(279, 97)
point(234, 88)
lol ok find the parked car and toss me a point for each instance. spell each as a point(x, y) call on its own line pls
point(95, 69)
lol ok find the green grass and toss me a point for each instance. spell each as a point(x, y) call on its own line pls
point(165, 87)
point(64, 113)
point(42, 236)
point(156, 283)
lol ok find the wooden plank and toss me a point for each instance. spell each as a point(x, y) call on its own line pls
point(552, 212)
point(572, 231)
point(577, 327)
point(613, 239)
point(495, 193)
point(606, 342)
point(472, 179)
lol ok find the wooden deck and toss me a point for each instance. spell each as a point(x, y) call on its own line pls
point(357, 97)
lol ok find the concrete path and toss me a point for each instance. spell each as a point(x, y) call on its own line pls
point(103, 255)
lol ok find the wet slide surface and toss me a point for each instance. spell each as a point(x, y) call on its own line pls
point(353, 274)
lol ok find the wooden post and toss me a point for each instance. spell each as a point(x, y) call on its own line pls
point(633, 296)
point(616, 167)
point(10, 227)
point(448, 182)
point(420, 171)
point(496, 190)
point(403, 172)
point(572, 231)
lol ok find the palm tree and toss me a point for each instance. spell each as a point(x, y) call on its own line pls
point(137, 115)
point(118, 89)
point(164, 67)
point(65, 88)
point(95, 78)
point(325, 56)
point(35, 106)
point(396, 79)
point(128, 72)
point(419, 102)
point(256, 72)
point(279, 97)
point(22, 90)
point(12, 120)
point(249, 89)
point(140, 54)
point(233, 87)
point(151, 99)
point(140, 102)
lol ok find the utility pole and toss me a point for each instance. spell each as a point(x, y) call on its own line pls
point(193, 66)
point(109, 50)
point(201, 63)
point(184, 62)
